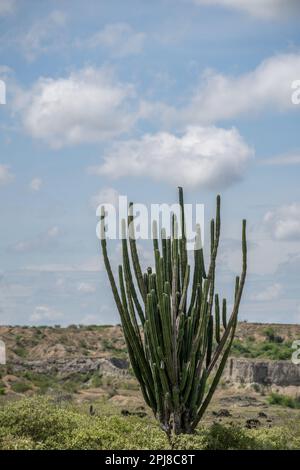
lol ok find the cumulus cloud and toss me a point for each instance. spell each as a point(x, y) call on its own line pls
point(267, 9)
point(220, 96)
point(7, 7)
point(44, 313)
point(35, 184)
point(43, 35)
point(205, 156)
point(271, 292)
point(5, 175)
point(284, 222)
point(44, 241)
point(88, 106)
point(86, 288)
point(119, 38)
point(105, 196)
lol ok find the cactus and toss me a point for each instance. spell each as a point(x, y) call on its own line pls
point(178, 337)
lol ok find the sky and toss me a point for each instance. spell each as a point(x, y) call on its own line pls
point(131, 97)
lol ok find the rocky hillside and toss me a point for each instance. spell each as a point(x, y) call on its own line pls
point(253, 340)
point(91, 361)
point(43, 343)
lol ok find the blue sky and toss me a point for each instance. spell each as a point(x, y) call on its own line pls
point(135, 97)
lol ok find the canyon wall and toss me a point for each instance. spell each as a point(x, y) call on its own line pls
point(281, 373)
point(238, 370)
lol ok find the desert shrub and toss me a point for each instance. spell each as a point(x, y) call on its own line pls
point(38, 423)
point(42, 381)
point(20, 351)
point(20, 387)
point(216, 437)
point(240, 349)
point(271, 335)
point(2, 386)
point(48, 426)
point(76, 381)
point(267, 349)
point(96, 381)
point(284, 400)
point(12, 442)
point(277, 438)
point(228, 437)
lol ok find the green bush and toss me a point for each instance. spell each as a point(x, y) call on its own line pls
point(284, 400)
point(42, 381)
point(48, 426)
point(272, 336)
point(38, 423)
point(20, 387)
point(273, 350)
point(96, 381)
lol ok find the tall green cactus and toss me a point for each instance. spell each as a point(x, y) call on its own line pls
point(177, 344)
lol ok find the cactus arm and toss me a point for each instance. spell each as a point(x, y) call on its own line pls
point(134, 254)
point(108, 266)
point(183, 250)
point(198, 272)
point(238, 296)
point(128, 275)
point(215, 381)
point(224, 314)
point(217, 318)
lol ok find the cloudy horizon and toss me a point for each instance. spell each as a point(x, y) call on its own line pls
point(135, 98)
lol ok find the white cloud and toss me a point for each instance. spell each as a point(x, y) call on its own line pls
point(105, 196)
point(7, 7)
point(267, 9)
point(266, 257)
point(5, 175)
point(86, 288)
point(43, 241)
point(43, 35)
point(88, 106)
point(282, 160)
point(271, 292)
point(35, 184)
point(284, 222)
point(204, 156)
point(119, 38)
point(44, 312)
point(220, 96)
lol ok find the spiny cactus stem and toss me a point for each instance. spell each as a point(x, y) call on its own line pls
point(233, 317)
point(175, 347)
point(134, 254)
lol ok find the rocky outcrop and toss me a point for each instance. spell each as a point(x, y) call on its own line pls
point(281, 373)
point(238, 370)
point(64, 366)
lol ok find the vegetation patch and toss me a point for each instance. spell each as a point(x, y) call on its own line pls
point(272, 350)
point(284, 400)
point(20, 387)
point(38, 423)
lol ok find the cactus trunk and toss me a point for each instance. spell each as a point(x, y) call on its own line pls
point(177, 344)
